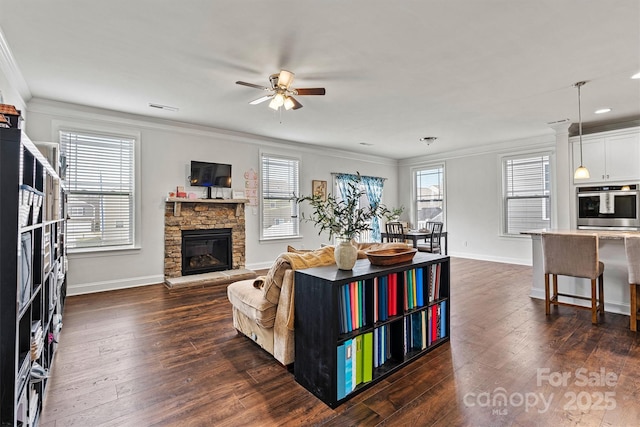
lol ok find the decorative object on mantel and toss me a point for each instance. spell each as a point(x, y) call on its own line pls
point(581, 172)
point(390, 256)
point(345, 219)
point(251, 187)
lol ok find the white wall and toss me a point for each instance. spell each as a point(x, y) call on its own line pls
point(473, 200)
point(166, 150)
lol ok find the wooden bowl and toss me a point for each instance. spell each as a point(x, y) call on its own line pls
point(390, 256)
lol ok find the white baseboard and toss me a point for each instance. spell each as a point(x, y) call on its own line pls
point(110, 285)
point(260, 265)
point(609, 307)
point(506, 260)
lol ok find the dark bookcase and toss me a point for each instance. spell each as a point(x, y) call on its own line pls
point(32, 275)
point(401, 329)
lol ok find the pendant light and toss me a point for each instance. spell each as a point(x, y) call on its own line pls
point(581, 172)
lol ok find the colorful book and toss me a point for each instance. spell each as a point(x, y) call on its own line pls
point(443, 319)
point(358, 359)
point(347, 296)
point(348, 367)
point(419, 286)
point(392, 294)
point(428, 327)
point(376, 285)
point(367, 357)
point(341, 387)
point(436, 292)
point(354, 361)
point(423, 327)
point(384, 297)
point(362, 304)
point(416, 330)
point(341, 314)
point(376, 345)
point(434, 322)
point(354, 302)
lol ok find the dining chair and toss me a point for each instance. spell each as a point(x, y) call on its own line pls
point(432, 243)
point(395, 232)
point(632, 248)
point(574, 255)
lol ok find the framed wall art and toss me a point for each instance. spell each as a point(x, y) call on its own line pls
point(319, 188)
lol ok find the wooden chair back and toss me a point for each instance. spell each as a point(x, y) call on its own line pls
point(395, 232)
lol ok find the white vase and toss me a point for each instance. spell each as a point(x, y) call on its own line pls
point(346, 255)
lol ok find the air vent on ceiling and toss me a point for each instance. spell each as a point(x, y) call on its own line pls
point(163, 107)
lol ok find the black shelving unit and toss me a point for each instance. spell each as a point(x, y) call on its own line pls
point(317, 321)
point(32, 275)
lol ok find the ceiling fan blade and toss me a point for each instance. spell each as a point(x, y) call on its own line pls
point(261, 99)
point(310, 91)
point(252, 85)
point(295, 102)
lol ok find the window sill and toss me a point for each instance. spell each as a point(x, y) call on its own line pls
point(278, 239)
point(103, 251)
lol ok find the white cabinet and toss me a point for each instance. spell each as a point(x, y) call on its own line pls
point(609, 156)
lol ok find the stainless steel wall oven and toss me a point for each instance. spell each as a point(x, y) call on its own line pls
point(609, 207)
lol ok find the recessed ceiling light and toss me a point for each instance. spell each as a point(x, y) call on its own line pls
point(163, 107)
point(366, 144)
point(636, 76)
point(603, 110)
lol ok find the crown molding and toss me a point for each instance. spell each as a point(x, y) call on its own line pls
point(68, 111)
point(11, 70)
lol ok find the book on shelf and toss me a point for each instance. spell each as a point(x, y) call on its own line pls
point(340, 377)
point(367, 357)
point(348, 367)
point(419, 286)
point(358, 359)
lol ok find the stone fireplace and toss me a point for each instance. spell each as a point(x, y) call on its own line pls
point(220, 220)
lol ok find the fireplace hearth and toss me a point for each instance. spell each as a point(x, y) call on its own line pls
point(205, 251)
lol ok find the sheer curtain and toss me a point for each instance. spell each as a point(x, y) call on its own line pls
point(373, 189)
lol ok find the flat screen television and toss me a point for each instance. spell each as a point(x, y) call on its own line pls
point(205, 174)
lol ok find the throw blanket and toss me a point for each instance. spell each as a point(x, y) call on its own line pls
point(272, 282)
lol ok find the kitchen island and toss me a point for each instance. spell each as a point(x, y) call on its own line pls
point(612, 254)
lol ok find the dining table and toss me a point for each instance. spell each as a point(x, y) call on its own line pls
point(416, 235)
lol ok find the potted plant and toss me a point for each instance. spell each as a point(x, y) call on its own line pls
point(345, 219)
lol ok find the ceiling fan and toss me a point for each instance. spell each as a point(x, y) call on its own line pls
point(281, 91)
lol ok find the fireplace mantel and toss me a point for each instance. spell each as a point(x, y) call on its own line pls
point(178, 201)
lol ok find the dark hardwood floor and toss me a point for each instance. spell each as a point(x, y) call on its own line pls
point(153, 357)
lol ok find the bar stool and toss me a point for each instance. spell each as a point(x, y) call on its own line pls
point(574, 255)
point(632, 247)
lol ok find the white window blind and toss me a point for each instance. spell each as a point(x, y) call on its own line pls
point(279, 184)
point(100, 184)
point(429, 196)
point(527, 193)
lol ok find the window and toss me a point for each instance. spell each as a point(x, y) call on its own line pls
point(429, 195)
point(279, 184)
point(100, 182)
point(527, 193)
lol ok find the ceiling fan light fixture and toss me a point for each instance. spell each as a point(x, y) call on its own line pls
point(277, 101)
point(285, 79)
point(288, 103)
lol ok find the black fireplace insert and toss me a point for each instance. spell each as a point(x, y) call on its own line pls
point(204, 251)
